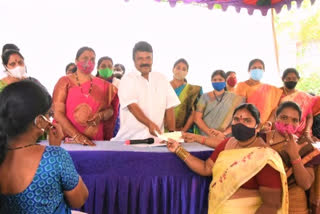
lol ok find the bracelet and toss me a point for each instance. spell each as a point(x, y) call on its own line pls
point(296, 161)
point(101, 117)
point(203, 140)
point(182, 153)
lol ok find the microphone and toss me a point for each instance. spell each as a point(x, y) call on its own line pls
point(140, 141)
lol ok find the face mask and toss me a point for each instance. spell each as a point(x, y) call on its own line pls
point(85, 67)
point(285, 128)
point(105, 73)
point(290, 84)
point(256, 74)
point(17, 72)
point(179, 75)
point(232, 81)
point(242, 132)
point(218, 85)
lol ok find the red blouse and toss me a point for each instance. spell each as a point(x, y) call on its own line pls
point(267, 177)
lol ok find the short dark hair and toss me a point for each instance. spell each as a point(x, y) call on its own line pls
point(20, 103)
point(71, 64)
point(141, 46)
point(254, 61)
point(104, 58)
point(183, 61)
point(7, 53)
point(229, 73)
point(83, 49)
point(9, 46)
point(252, 109)
point(121, 66)
point(288, 71)
point(219, 72)
point(289, 104)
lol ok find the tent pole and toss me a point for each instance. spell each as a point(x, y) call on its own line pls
point(275, 40)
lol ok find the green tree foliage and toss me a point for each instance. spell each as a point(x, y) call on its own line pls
point(303, 26)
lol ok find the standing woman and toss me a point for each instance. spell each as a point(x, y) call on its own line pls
point(215, 108)
point(231, 77)
point(188, 96)
point(265, 97)
point(105, 70)
point(82, 103)
point(305, 101)
point(15, 68)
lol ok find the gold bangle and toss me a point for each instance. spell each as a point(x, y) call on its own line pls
point(182, 153)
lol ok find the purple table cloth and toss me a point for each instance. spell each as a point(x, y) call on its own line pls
point(125, 179)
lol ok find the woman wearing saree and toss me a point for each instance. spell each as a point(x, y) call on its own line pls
point(83, 104)
point(305, 101)
point(265, 97)
point(299, 157)
point(248, 177)
point(215, 108)
point(188, 96)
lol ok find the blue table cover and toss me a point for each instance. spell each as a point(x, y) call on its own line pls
point(150, 180)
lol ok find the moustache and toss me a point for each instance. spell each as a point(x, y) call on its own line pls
point(145, 65)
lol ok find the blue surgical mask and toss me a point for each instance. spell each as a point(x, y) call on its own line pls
point(218, 85)
point(256, 74)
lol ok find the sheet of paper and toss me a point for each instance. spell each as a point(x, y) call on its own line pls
point(177, 136)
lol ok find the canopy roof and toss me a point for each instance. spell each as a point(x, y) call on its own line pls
point(250, 5)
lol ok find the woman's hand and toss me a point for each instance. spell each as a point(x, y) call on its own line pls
point(292, 148)
point(172, 145)
point(55, 134)
point(191, 138)
point(81, 139)
point(95, 119)
point(100, 116)
point(307, 134)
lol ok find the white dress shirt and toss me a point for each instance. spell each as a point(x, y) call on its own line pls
point(153, 96)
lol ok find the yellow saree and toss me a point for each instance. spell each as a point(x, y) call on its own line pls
point(235, 167)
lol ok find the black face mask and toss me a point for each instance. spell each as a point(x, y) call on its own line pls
point(242, 132)
point(290, 84)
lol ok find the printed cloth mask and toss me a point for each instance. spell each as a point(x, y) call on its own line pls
point(17, 72)
point(105, 73)
point(256, 74)
point(86, 67)
point(232, 81)
point(218, 85)
point(290, 84)
point(285, 128)
point(242, 132)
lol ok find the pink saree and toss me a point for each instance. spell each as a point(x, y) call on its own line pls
point(80, 106)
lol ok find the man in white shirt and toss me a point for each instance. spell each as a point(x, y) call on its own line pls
point(147, 99)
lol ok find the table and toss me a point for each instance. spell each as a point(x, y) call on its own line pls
point(127, 179)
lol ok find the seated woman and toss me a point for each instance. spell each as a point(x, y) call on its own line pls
point(188, 96)
point(34, 178)
point(298, 156)
point(265, 97)
point(84, 105)
point(13, 62)
point(290, 78)
point(215, 108)
point(248, 177)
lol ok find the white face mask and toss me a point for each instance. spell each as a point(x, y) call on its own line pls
point(17, 72)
